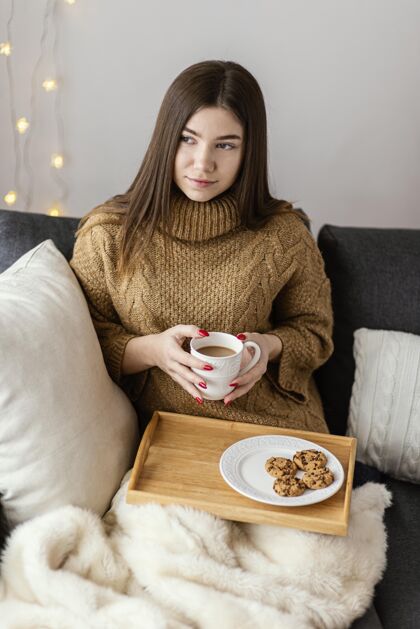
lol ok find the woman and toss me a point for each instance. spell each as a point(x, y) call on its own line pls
point(198, 243)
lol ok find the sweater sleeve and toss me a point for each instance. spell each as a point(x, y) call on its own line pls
point(303, 320)
point(90, 256)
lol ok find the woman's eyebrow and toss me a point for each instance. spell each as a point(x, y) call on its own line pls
point(221, 137)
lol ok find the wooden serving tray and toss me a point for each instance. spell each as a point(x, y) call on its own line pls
point(178, 462)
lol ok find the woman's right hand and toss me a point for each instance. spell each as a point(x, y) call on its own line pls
point(176, 362)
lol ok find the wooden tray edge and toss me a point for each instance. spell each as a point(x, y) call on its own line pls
point(244, 426)
point(349, 480)
point(325, 527)
point(142, 452)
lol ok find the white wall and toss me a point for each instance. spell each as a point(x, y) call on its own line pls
point(340, 79)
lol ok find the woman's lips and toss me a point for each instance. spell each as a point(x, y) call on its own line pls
point(200, 183)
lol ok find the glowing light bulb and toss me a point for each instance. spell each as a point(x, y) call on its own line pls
point(22, 124)
point(57, 160)
point(49, 85)
point(70, 1)
point(5, 48)
point(10, 197)
point(54, 211)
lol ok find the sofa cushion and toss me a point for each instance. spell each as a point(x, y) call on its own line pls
point(385, 403)
point(375, 278)
point(68, 433)
point(21, 231)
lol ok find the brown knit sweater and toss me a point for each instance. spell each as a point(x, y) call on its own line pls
point(222, 277)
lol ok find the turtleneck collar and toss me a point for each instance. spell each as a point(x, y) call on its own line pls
point(199, 221)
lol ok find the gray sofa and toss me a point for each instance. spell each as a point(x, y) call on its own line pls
point(375, 276)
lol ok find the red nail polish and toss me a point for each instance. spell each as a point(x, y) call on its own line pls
point(203, 332)
point(202, 385)
point(199, 400)
point(233, 384)
point(241, 337)
point(208, 367)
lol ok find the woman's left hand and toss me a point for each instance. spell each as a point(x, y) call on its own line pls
point(270, 346)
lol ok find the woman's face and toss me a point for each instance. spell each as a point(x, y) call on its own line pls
point(210, 150)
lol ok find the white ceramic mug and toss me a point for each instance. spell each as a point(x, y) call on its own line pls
point(225, 368)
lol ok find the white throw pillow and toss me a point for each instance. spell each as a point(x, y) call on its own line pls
point(68, 433)
point(385, 402)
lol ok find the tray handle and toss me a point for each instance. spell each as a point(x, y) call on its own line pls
point(146, 440)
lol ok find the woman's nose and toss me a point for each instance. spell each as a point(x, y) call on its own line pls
point(203, 160)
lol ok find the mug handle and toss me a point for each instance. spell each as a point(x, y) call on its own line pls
point(254, 359)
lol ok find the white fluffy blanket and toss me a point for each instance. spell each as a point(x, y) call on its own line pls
point(174, 567)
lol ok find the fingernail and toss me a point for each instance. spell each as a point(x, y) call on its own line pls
point(228, 402)
point(199, 400)
point(203, 332)
point(202, 385)
point(233, 384)
point(208, 367)
point(241, 337)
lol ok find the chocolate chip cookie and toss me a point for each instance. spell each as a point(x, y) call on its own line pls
point(318, 478)
point(280, 467)
point(288, 486)
point(312, 458)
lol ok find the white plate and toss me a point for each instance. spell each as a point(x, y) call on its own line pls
point(242, 465)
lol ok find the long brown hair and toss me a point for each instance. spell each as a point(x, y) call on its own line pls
point(147, 202)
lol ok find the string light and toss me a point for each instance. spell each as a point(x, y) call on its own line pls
point(49, 85)
point(10, 197)
point(5, 48)
point(27, 125)
point(57, 160)
point(60, 141)
point(54, 211)
point(22, 124)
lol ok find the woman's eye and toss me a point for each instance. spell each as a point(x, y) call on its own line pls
point(224, 145)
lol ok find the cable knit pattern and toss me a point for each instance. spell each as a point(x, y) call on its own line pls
point(385, 403)
point(384, 393)
point(410, 463)
point(220, 276)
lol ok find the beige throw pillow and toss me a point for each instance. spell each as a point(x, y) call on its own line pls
point(385, 402)
point(68, 433)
